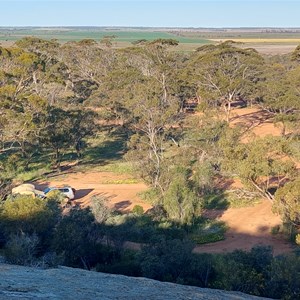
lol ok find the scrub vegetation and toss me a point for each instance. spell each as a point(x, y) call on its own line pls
point(168, 118)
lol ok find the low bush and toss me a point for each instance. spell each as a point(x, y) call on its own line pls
point(207, 231)
point(208, 238)
point(151, 195)
point(137, 209)
point(21, 249)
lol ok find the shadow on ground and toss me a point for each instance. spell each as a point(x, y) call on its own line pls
point(109, 150)
point(82, 193)
point(122, 205)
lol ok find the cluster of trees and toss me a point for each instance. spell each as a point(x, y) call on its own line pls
point(49, 94)
point(53, 97)
point(34, 119)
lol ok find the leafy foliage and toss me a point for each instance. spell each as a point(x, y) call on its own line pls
point(25, 214)
point(76, 238)
point(287, 201)
point(224, 73)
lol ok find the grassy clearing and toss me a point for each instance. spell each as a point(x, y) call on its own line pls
point(225, 200)
point(105, 154)
point(209, 231)
point(121, 181)
point(119, 167)
point(104, 149)
point(32, 175)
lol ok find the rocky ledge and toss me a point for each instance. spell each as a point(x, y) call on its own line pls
point(17, 282)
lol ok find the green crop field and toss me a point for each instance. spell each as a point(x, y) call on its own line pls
point(76, 34)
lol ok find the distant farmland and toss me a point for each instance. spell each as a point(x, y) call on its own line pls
point(265, 40)
point(73, 34)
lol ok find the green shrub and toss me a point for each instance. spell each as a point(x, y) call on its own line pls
point(137, 209)
point(208, 238)
point(126, 264)
point(21, 249)
point(30, 216)
point(215, 201)
point(76, 239)
point(31, 175)
point(151, 195)
point(99, 208)
point(208, 231)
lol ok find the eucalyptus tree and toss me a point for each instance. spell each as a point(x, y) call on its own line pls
point(151, 121)
point(181, 200)
point(22, 128)
point(296, 54)
point(17, 74)
point(140, 91)
point(50, 77)
point(81, 57)
point(287, 202)
point(47, 50)
point(263, 165)
point(281, 96)
point(82, 125)
point(88, 65)
point(163, 65)
point(224, 72)
point(116, 89)
point(65, 129)
point(20, 104)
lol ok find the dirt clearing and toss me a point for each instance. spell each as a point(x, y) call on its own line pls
point(248, 226)
point(120, 196)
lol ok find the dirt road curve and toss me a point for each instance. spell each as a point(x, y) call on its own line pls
point(248, 226)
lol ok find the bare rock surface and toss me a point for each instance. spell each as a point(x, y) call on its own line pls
point(18, 282)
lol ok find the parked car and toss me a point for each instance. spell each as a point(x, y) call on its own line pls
point(68, 191)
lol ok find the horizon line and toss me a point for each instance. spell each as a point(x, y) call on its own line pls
point(177, 27)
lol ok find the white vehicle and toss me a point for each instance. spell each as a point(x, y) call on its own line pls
point(66, 190)
point(29, 189)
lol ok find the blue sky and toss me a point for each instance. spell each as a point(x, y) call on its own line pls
point(153, 13)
